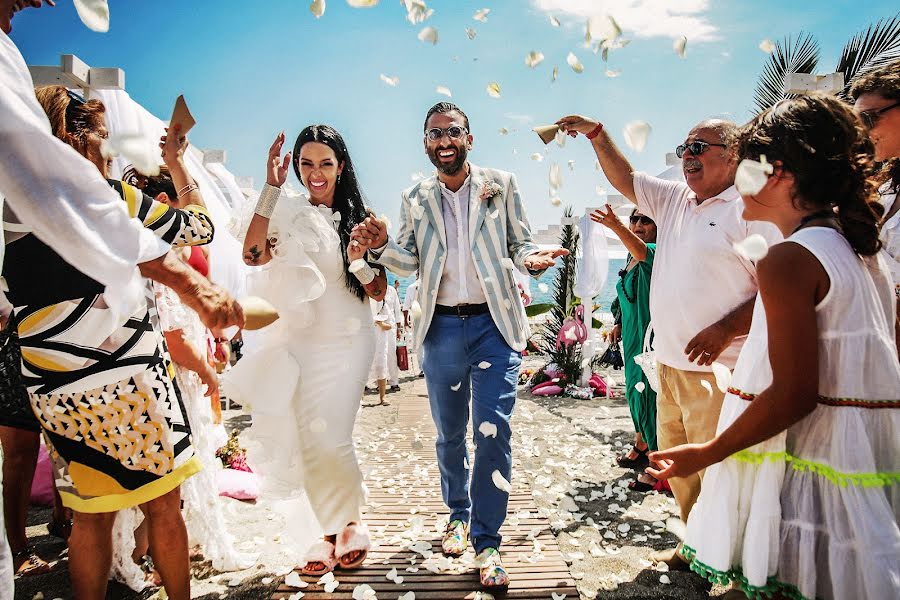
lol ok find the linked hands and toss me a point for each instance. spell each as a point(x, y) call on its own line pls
point(371, 233)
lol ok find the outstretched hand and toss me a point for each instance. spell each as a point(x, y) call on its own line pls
point(607, 218)
point(575, 124)
point(543, 259)
point(277, 167)
point(173, 145)
point(680, 461)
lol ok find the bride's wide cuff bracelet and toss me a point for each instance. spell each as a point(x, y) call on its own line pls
point(268, 198)
point(362, 271)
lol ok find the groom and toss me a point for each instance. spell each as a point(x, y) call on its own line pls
point(465, 229)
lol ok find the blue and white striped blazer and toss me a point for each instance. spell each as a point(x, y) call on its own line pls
point(498, 229)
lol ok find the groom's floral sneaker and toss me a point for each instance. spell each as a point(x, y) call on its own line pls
point(492, 573)
point(456, 538)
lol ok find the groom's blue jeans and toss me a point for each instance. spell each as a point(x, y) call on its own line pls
point(454, 349)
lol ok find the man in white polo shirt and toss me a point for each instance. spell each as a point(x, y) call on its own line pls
point(702, 290)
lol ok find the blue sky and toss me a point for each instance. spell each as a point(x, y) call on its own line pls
point(249, 70)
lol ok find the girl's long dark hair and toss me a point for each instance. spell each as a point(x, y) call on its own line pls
point(348, 199)
point(823, 144)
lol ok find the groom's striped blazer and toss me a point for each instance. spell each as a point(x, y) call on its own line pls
point(498, 229)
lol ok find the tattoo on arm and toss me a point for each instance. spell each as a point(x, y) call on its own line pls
point(254, 253)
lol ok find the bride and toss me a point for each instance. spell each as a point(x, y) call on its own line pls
point(306, 378)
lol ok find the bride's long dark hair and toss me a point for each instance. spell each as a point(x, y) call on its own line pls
point(348, 199)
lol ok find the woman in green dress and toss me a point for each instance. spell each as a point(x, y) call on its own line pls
point(632, 319)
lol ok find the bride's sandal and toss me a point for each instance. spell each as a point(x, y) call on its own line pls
point(321, 553)
point(354, 538)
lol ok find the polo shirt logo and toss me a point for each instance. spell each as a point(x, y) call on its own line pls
point(712, 224)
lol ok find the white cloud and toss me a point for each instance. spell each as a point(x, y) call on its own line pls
point(643, 18)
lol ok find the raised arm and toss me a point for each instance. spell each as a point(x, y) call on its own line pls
point(257, 250)
point(615, 166)
point(173, 147)
point(635, 245)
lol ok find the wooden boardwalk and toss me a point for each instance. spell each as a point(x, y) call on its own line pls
point(404, 506)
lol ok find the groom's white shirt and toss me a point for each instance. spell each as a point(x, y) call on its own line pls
point(459, 281)
point(497, 229)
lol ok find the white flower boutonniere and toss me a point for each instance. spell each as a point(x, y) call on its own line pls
point(491, 190)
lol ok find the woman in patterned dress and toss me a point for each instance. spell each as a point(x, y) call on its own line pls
point(100, 382)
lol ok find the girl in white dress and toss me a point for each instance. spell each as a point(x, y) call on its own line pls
point(804, 500)
point(305, 380)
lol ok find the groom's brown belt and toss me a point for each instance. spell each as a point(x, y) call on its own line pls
point(461, 310)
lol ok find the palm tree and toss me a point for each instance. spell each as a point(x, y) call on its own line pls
point(872, 48)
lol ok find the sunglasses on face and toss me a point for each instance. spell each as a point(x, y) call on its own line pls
point(696, 148)
point(871, 117)
point(642, 219)
point(454, 132)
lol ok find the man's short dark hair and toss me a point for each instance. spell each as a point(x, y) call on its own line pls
point(446, 107)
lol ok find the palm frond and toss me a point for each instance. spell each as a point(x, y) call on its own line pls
point(875, 47)
point(800, 55)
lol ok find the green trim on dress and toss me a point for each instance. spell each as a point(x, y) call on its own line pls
point(834, 476)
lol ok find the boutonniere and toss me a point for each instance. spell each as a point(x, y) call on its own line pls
point(491, 190)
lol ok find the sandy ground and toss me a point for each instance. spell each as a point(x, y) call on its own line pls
point(564, 449)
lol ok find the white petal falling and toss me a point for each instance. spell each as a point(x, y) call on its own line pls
point(94, 14)
point(484, 365)
point(706, 386)
point(481, 15)
point(639, 386)
point(429, 35)
point(416, 309)
point(362, 3)
point(751, 176)
point(636, 134)
point(723, 376)
point(391, 81)
point(560, 138)
point(317, 8)
point(543, 287)
point(555, 177)
point(571, 164)
point(493, 89)
point(573, 62)
point(444, 91)
point(534, 58)
point(555, 201)
point(416, 11)
point(456, 386)
point(601, 191)
point(554, 75)
point(138, 150)
point(487, 429)
point(754, 247)
point(471, 33)
point(767, 46)
point(507, 263)
point(679, 46)
point(537, 156)
point(417, 176)
point(503, 131)
point(500, 481)
point(554, 21)
point(611, 73)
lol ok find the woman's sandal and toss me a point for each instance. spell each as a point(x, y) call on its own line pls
point(31, 563)
point(320, 553)
point(639, 463)
point(354, 538)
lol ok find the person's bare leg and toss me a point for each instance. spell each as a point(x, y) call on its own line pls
point(639, 444)
point(382, 390)
point(169, 544)
point(20, 453)
point(141, 542)
point(90, 554)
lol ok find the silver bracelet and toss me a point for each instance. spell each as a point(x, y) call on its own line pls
point(362, 271)
point(268, 198)
point(191, 187)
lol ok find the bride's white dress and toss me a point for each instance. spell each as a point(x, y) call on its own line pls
point(303, 382)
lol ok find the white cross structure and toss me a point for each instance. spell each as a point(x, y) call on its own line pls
point(805, 83)
point(73, 73)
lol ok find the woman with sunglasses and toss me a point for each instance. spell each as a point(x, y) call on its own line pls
point(801, 494)
point(876, 98)
point(98, 381)
point(633, 295)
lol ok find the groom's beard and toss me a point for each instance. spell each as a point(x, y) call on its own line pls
point(451, 168)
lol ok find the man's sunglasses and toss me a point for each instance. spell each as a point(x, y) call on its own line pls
point(696, 148)
point(454, 132)
point(643, 219)
point(871, 117)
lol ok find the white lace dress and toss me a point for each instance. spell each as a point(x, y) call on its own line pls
point(304, 380)
point(829, 527)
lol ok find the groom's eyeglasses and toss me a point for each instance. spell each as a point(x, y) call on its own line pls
point(454, 132)
point(696, 148)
